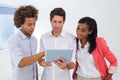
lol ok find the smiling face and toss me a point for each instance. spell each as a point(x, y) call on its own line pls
point(57, 23)
point(28, 26)
point(83, 31)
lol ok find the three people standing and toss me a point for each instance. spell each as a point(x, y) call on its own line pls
point(91, 50)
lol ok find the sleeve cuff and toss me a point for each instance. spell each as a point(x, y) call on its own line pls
point(112, 69)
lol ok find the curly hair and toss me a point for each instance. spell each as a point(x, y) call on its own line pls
point(24, 12)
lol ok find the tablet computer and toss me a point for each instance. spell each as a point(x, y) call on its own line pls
point(53, 54)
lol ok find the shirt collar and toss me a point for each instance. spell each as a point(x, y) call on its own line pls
point(22, 35)
point(86, 45)
point(61, 35)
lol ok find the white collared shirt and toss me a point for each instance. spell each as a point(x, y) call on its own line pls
point(86, 66)
point(20, 46)
point(64, 41)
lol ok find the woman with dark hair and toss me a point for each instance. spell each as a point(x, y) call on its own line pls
point(91, 53)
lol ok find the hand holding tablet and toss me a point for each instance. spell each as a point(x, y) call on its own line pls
point(54, 54)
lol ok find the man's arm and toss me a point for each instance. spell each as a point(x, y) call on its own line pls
point(26, 61)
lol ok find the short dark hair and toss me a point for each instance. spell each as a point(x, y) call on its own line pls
point(24, 12)
point(59, 12)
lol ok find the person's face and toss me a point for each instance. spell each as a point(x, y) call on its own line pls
point(28, 26)
point(83, 31)
point(57, 23)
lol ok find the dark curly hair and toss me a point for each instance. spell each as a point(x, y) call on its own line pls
point(92, 26)
point(59, 12)
point(24, 12)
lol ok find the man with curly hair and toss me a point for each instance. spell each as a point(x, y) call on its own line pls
point(23, 45)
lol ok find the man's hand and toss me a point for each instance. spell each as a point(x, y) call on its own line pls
point(61, 63)
point(44, 64)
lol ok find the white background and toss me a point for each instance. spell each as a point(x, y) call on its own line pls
point(106, 13)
